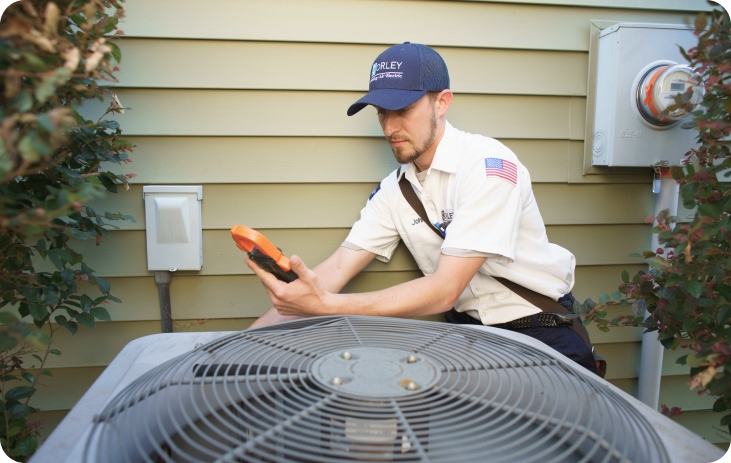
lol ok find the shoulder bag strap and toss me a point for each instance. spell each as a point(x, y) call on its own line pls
point(545, 303)
point(408, 191)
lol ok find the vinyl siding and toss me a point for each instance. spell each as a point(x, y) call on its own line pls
point(248, 99)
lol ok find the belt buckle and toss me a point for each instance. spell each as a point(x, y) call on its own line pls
point(564, 320)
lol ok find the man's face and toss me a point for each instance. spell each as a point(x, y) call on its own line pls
point(411, 130)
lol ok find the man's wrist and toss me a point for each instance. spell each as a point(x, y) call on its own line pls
point(332, 305)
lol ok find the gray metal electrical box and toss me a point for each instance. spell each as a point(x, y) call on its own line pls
point(174, 229)
point(626, 53)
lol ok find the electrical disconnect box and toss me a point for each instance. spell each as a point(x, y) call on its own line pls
point(640, 73)
point(174, 229)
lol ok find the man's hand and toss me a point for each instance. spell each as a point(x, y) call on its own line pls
point(303, 297)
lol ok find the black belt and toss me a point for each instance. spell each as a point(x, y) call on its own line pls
point(543, 319)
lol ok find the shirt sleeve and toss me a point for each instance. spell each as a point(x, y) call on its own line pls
point(488, 204)
point(469, 253)
point(375, 231)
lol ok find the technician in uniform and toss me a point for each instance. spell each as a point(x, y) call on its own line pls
point(478, 197)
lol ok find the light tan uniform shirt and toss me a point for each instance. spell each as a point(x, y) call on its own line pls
point(489, 212)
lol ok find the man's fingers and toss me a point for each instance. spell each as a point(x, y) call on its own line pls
point(266, 277)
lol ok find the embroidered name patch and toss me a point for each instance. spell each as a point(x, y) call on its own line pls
point(496, 167)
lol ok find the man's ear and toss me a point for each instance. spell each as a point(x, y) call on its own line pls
point(444, 100)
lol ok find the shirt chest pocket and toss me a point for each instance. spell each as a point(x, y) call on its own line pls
point(415, 229)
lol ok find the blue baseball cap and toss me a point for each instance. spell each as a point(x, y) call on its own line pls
point(401, 75)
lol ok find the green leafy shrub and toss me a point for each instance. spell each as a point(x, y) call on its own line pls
point(52, 56)
point(688, 289)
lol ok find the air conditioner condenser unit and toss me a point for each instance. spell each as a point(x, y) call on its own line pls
point(333, 389)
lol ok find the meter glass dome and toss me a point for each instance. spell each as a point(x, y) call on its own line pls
point(659, 88)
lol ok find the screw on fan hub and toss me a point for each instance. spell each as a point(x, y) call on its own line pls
point(375, 372)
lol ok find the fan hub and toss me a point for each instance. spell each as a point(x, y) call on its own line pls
point(375, 371)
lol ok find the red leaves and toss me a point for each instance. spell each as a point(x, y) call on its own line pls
point(670, 412)
point(713, 80)
point(721, 348)
point(702, 177)
point(696, 235)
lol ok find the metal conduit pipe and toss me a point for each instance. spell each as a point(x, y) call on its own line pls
point(648, 387)
point(162, 278)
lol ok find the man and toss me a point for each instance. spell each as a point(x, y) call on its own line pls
point(486, 222)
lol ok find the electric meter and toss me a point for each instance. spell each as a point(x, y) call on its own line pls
point(640, 72)
point(658, 91)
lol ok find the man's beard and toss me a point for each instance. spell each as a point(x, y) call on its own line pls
point(404, 156)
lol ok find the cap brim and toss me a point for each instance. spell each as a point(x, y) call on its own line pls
point(387, 98)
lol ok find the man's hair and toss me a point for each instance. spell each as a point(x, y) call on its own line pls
point(433, 96)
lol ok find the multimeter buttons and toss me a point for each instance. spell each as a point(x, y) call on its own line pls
point(658, 89)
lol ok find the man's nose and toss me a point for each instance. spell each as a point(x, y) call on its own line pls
point(389, 123)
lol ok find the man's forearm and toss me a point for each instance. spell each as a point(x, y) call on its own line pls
point(424, 296)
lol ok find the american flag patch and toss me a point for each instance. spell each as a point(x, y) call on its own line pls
point(496, 167)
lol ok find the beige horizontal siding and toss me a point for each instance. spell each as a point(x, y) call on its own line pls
point(62, 390)
point(674, 392)
point(623, 360)
point(298, 159)
point(707, 425)
point(124, 253)
point(326, 205)
point(51, 419)
point(462, 24)
point(318, 113)
point(96, 347)
point(593, 280)
point(216, 64)
point(603, 174)
point(157, 160)
point(237, 296)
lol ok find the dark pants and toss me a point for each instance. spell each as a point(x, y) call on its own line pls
point(561, 338)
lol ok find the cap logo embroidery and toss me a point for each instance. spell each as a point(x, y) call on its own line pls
point(389, 66)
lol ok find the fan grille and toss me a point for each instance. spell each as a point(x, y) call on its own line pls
point(334, 389)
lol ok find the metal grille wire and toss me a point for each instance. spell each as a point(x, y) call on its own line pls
point(253, 397)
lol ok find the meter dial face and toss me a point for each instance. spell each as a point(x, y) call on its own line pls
point(658, 89)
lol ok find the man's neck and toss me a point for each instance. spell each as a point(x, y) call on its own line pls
point(423, 162)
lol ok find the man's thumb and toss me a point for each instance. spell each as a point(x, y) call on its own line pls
point(296, 264)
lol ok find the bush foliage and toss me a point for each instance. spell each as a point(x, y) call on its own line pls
point(52, 56)
point(687, 290)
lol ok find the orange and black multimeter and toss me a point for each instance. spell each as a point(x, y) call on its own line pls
point(263, 252)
